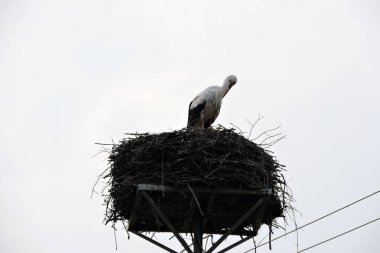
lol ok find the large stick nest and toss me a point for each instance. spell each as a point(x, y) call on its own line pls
point(189, 158)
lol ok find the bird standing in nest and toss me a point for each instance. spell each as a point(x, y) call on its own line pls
point(205, 108)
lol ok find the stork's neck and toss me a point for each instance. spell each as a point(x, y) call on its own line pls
point(224, 89)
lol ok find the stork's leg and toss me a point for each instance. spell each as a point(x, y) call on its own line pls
point(203, 122)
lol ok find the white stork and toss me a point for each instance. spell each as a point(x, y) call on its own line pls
point(205, 107)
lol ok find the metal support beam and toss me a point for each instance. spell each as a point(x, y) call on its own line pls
point(166, 221)
point(236, 243)
point(153, 241)
point(259, 218)
point(152, 187)
point(194, 216)
point(236, 225)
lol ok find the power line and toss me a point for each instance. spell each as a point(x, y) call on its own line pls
point(311, 222)
point(332, 238)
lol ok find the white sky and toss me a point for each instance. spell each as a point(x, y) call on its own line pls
point(77, 72)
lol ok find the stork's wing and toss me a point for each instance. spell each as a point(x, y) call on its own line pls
point(209, 122)
point(195, 108)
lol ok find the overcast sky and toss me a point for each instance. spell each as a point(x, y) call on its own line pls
point(77, 72)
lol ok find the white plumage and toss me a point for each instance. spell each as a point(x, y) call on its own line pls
point(205, 107)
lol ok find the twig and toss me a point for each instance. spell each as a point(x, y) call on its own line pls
point(254, 124)
point(265, 132)
point(126, 229)
point(114, 233)
point(196, 200)
point(241, 132)
point(269, 137)
point(93, 187)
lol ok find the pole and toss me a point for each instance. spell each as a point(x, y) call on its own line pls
point(198, 231)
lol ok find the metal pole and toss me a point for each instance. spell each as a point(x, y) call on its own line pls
point(198, 231)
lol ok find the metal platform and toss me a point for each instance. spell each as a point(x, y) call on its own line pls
point(224, 211)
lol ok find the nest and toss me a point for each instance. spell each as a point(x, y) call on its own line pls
point(189, 159)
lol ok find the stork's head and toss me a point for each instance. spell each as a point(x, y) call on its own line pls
point(230, 81)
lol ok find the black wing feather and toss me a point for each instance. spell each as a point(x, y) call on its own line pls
point(195, 113)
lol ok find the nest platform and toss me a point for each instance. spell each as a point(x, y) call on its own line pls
point(200, 181)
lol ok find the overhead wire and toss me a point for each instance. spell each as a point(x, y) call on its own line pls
point(321, 218)
point(334, 237)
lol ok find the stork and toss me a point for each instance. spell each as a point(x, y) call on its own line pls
point(205, 107)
